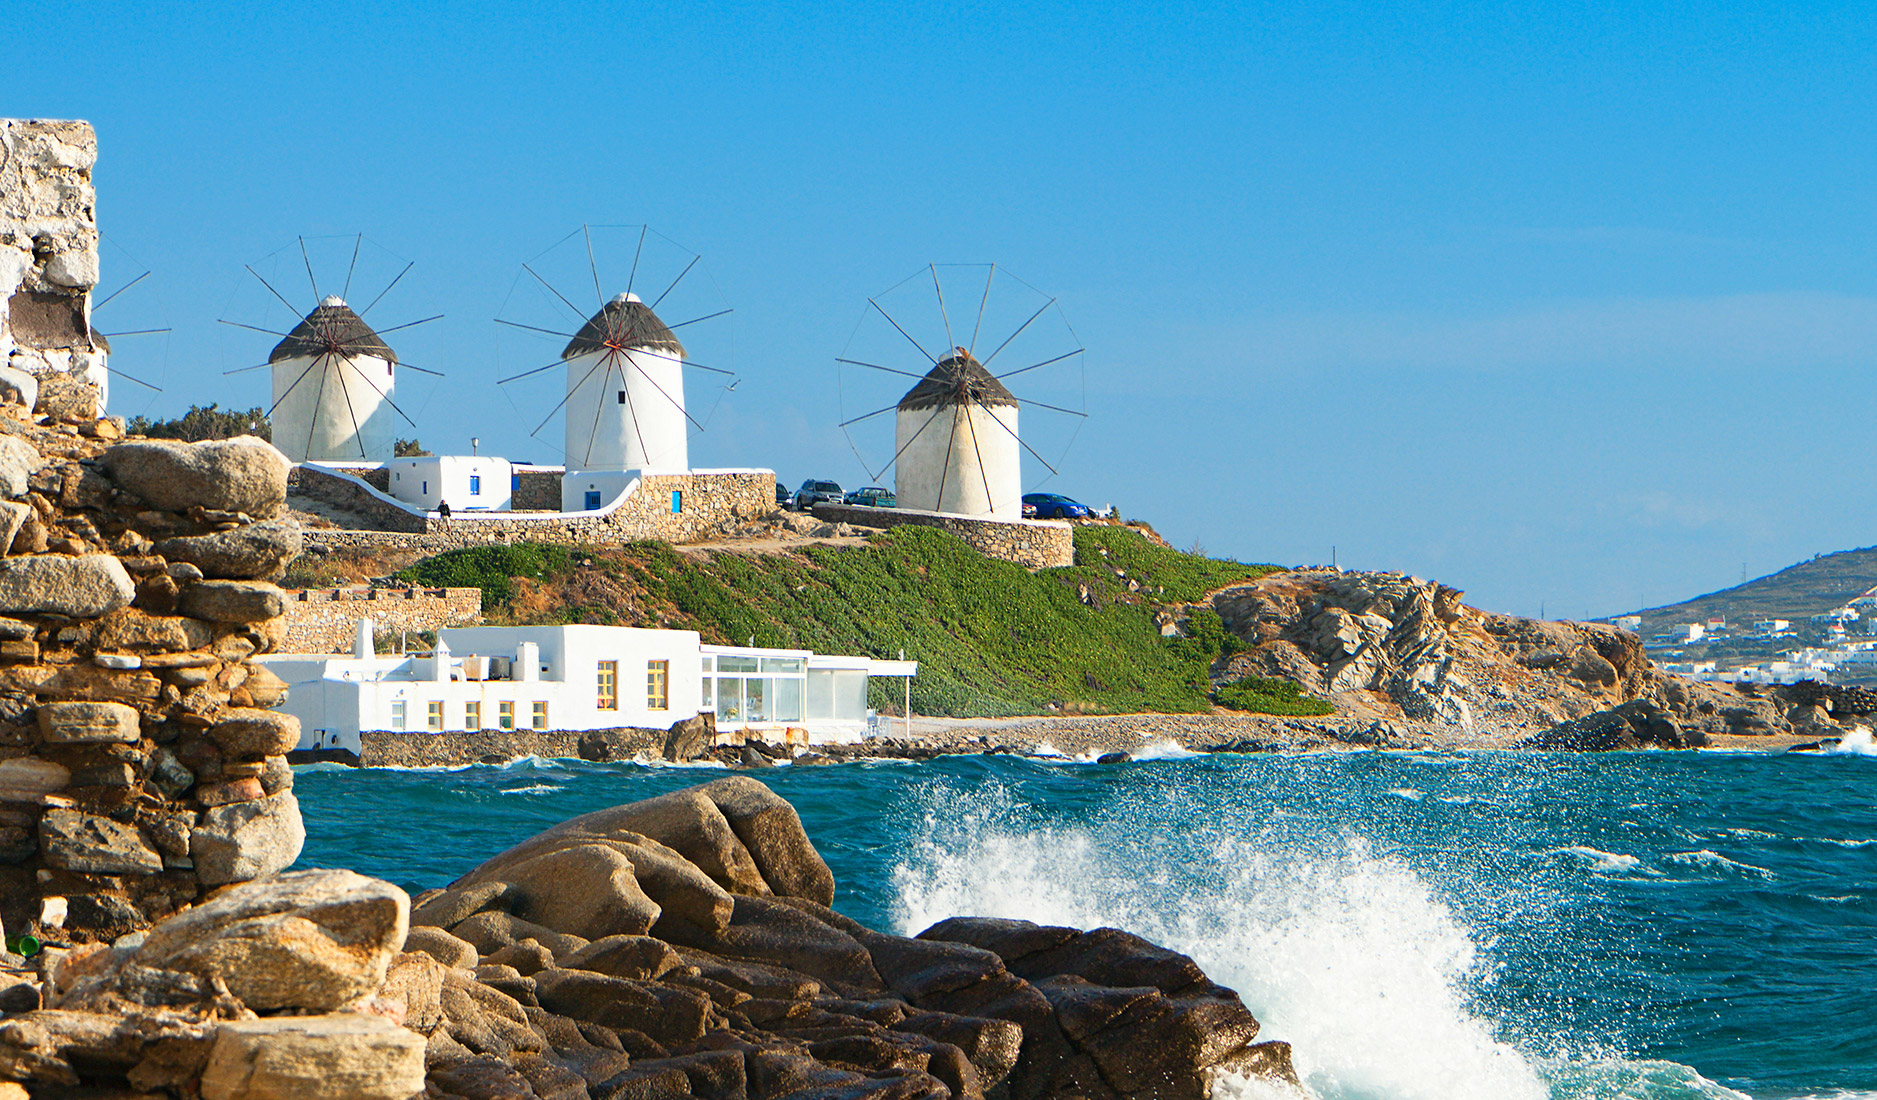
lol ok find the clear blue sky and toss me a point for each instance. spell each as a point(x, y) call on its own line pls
point(1573, 305)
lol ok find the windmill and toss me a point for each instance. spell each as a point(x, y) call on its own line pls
point(957, 446)
point(138, 297)
point(333, 375)
point(623, 400)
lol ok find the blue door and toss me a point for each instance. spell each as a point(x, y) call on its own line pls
point(593, 500)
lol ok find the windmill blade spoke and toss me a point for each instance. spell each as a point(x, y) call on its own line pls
point(312, 422)
point(255, 328)
point(909, 442)
point(1025, 446)
point(902, 331)
point(1052, 408)
point(678, 359)
point(309, 270)
point(598, 294)
point(537, 370)
point(940, 291)
point(387, 289)
point(409, 324)
point(946, 469)
point(1019, 332)
point(119, 290)
point(534, 328)
point(599, 409)
point(661, 389)
point(571, 390)
point(271, 290)
point(346, 392)
point(1044, 363)
point(982, 302)
point(676, 281)
point(979, 452)
point(244, 370)
point(402, 365)
point(134, 332)
point(876, 366)
point(132, 378)
point(705, 317)
point(381, 393)
point(317, 360)
point(555, 293)
point(633, 276)
point(353, 266)
point(869, 416)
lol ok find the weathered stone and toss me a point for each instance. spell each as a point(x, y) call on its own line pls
point(625, 957)
point(244, 474)
point(89, 723)
point(234, 789)
point(247, 839)
point(309, 940)
point(67, 397)
point(261, 550)
point(78, 841)
point(314, 1058)
point(233, 601)
point(586, 890)
point(246, 732)
point(773, 833)
point(26, 778)
point(449, 908)
point(443, 947)
point(491, 931)
point(13, 516)
point(416, 978)
point(18, 387)
point(79, 588)
point(18, 462)
point(264, 688)
point(131, 628)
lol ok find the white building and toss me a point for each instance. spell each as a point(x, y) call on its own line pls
point(955, 436)
point(1771, 626)
point(625, 401)
point(333, 379)
point(466, 481)
point(1627, 622)
point(575, 678)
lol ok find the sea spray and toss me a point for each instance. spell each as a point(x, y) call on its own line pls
point(1346, 954)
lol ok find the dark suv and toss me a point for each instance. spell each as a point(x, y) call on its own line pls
point(815, 492)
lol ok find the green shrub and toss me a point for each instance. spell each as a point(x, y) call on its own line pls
point(491, 568)
point(1165, 574)
point(1263, 695)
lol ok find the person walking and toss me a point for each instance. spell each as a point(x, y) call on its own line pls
point(443, 512)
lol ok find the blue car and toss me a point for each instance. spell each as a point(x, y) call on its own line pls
point(1054, 506)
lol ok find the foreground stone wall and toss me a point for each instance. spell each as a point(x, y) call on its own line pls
point(49, 257)
point(419, 749)
point(325, 620)
point(1033, 543)
point(137, 764)
point(712, 505)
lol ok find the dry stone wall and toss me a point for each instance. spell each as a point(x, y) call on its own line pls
point(326, 620)
point(138, 764)
point(1033, 543)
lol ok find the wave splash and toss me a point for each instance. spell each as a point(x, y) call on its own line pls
point(1346, 954)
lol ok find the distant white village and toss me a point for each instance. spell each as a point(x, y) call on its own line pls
point(1849, 646)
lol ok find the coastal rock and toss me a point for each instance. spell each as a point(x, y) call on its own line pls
point(233, 601)
point(78, 841)
point(243, 474)
point(443, 947)
point(260, 551)
point(53, 584)
point(245, 733)
point(244, 840)
point(308, 941)
point(19, 460)
point(314, 1058)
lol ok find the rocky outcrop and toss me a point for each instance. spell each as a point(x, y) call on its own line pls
point(138, 765)
point(676, 947)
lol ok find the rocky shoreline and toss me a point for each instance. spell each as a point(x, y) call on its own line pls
point(679, 946)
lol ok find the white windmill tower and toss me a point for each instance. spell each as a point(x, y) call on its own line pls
point(334, 376)
point(957, 447)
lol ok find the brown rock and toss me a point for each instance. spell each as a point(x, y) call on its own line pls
point(233, 601)
point(89, 723)
point(443, 947)
point(314, 1058)
point(246, 732)
point(244, 474)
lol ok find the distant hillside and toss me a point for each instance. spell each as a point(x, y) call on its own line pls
point(1808, 588)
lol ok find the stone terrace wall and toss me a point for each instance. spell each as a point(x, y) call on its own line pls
point(713, 504)
point(537, 490)
point(405, 749)
point(1033, 543)
point(325, 620)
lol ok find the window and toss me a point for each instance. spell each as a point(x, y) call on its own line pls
point(593, 500)
point(475, 485)
point(425, 488)
point(472, 715)
point(505, 715)
point(707, 700)
point(622, 397)
point(658, 685)
point(397, 714)
point(514, 483)
point(677, 501)
point(609, 686)
point(436, 714)
point(540, 714)
point(729, 699)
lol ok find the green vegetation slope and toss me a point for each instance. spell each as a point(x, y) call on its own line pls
point(1795, 592)
point(991, 637)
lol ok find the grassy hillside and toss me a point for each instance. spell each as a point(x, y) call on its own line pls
point(1808, 588)
point(991, 638)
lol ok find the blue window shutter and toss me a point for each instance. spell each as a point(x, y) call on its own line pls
point(677, 501)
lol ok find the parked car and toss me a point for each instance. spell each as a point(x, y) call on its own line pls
point(815, 492)
point(873, 497)
point(1054, 506)
point(783, 496)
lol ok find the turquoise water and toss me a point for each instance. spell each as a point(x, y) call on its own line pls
point(1491, 926)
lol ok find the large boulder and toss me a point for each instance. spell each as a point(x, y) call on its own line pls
point(769, 827)
point(244, 733)
point(244, 840)
point(244, 474)
point(309, 941)
point(314, 1058)
point(94, 844)
point(258, 551)
point(53, 584)
point(234, 601)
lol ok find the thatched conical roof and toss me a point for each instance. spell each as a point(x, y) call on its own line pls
point(331, 329)
point(959, 379)
point(623, 323)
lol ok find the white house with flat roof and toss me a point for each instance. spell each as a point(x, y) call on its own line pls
point(578, 678)
point(467, 482)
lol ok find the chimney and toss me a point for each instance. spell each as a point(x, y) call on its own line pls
point(528, 662)
point(362, 647)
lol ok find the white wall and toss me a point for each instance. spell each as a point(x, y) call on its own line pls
point(962, 452)
point(428, 481)
point(572, 654)
point(625, 411)
point(611, 485)
point(330, 409)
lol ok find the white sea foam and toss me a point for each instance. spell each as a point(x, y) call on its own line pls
point(1349, 955)
point(1164, 749)
point(1408, 793)
point(1598, 861)
point(1714, 861)
point(538, 788)
point(1044, 748)
point(1857, 742)
point(1641, 1079)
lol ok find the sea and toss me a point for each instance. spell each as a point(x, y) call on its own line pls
point(1471, 926)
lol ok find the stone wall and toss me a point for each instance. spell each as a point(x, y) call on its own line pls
point(325, 620)
point(1033, 543)
point(406, 749)
point(49, 255)
point(712, 504)
point(537, 490)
